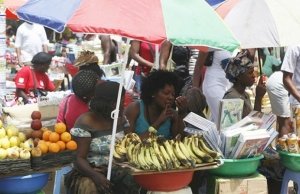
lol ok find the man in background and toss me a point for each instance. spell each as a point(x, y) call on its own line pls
point(30, 40)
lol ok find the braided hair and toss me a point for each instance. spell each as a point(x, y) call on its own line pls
point(84, 83)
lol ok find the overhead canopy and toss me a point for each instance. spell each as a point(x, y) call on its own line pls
point(194, 23)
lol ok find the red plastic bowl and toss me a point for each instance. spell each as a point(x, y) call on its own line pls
point(170, 181)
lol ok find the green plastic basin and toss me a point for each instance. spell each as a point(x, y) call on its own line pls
point(290, 160)
point(237, 167)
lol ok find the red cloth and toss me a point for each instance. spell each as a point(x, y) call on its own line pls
point(71, 69)
point(74, 108)
point(147, 51)
point(24, 80)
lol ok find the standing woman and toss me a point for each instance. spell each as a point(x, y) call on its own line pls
point(143, 53)
point(32, 81)
point(92, 133)
point(154, 111)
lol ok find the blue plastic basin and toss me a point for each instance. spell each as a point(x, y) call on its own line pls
point(29, 184)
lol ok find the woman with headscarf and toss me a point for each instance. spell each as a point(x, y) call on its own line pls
point(32, 81)
point(73, 105)
point(92, 133)
point(86, 60)
point(240, 71)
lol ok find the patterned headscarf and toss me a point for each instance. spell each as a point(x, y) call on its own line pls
point(86, 57)
point(238, 65)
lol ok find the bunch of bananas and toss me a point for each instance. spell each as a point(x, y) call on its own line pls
point(156, 153)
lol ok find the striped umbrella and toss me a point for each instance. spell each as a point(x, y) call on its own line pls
point(262, 23)
point(191, 23)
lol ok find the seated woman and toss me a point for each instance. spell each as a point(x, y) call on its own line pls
point(73, 105)
point(240, 71)
point(92, 132)
point(32, 81)
point(154, 111)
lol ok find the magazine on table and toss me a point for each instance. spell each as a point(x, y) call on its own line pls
point(230, 112)
point(199, 125)
point(250, 143)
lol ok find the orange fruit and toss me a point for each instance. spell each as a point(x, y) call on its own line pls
point(53, 137)
point(62, 145)
point(43, 147)
point(46, 135)
point(47, 143)
point(60, 128)
point(66, 137)
point(71, 145)
point(54, 148)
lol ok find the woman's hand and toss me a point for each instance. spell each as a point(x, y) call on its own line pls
point(103, 185)
point(168, 112)
point(261, 88)
point(182, 105)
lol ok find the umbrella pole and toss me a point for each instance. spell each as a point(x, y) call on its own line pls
point(156, 62)
point(115, 113)
point(259, 54)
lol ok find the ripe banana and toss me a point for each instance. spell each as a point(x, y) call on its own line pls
point(141, 159)
point(135, 137)
point(204, 148)
point(135, 152)
point(120, 150)
point(159, 155)
point(173, 158)
point(155, 160)
point(186, 153)
point(180, 156)
point(166, 156)
point(204, 156)
point(130, 149)
point(148, 158)
point(189, 148)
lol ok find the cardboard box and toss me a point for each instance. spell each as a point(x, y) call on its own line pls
point(255, 184)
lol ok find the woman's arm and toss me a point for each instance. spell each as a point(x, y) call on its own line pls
point(197, 75)
point(84, 167)
point(290, 86)
point(134, 54)
point(21, 93)
point(177, 124)
point(260, 92)
point(106, 47)
point(132, 112)
point(164, 54)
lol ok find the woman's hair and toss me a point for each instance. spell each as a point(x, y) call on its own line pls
point(84, 83)
point(156, 81)
point(105, 98)
point(93, 67)
point(41, 58)
point(87, 60)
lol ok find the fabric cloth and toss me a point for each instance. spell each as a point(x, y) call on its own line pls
point(120, 178)
point(30, 38)
point(215, 83)
point(142, 125)
point(147, 51)
point(278, 95)
point(237, 65)
point(291, 64)
point(24, 80)
point(233, 93)
point(68, 113)
point(269, 62)
point(100, 145)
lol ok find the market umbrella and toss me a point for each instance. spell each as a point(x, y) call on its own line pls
point(11, 7)
point(262, 23)
point(194, 24)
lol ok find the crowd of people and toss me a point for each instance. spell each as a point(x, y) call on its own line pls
point(166, 95)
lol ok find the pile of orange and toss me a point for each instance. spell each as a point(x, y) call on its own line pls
point(57, 140)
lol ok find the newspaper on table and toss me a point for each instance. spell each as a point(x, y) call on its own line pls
point(199, 125)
